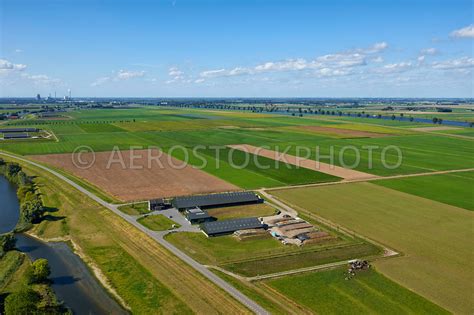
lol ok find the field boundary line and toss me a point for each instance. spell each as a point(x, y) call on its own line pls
point(370, 179)
point(388, 252)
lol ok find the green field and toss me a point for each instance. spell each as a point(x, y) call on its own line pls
point(256, 210)
point(135, 208)
point(104, 129)
point(157, 222)
point(369, 292)
point(456, 189)
point(262, 256)
point(434, 238)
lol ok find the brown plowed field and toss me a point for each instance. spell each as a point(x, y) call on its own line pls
point(139, 178)
point(346, 133)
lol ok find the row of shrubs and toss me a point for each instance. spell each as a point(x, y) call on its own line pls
point(31, 205)
point(35, 295)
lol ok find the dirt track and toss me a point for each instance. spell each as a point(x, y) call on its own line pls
point(344, 173)
point(344, 132)
point(139, 179)
point(434, 128)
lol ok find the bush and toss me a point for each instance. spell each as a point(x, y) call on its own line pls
point(7, 242)
point(21, 302)
point(38, 272)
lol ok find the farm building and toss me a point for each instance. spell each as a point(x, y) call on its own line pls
point(216, 200)
point(17, 130)
point(157, 204)
point(197, 216)
point(16, 136)
point(224, 227)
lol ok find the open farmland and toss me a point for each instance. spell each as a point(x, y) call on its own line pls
point(369, 292)
point(148, 175)
point(254, 210)
point(263, 256)
point(453, 189)
point(435, 238)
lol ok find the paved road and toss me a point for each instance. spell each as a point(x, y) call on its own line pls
point(158, 236)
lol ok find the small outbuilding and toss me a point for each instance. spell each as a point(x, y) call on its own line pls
point(157, 204)
point(197, 216)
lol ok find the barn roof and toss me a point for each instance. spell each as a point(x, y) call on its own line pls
point(215, 199)
point(230, 226)
point(8, 130)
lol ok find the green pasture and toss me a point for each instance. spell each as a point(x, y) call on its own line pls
point(456, 189)
point(435, 239)
point(369, 292)
point(157, 222)
point(254, 257)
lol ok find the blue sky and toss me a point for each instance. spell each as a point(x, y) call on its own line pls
point(363, 48)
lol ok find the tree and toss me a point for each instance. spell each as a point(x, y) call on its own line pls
point(38, 272)
point(435, 120)
point(7, 242)
point(21, 302)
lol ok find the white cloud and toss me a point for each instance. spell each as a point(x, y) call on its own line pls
point(100, 81)
point(375, 48)
point(460, 63)
point(125, 75)
point(327, 65)
point(395, 67)
point(175, 72)
point(7, 66)
point(213, 73)
point(378, 59)
point(41, 79)
point(429, 51)
point(465, 32)
point(18, 50)
point(121, 75)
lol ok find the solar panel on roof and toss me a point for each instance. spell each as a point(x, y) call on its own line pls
point(214, 199)
point(229, 226)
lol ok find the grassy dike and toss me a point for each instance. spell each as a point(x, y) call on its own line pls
point(145, 275)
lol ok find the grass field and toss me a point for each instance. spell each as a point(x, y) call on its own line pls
point(435, 238)
point(135, 208)
point(456, 189)
point(149, 278)
point(256, 210)
point(157, 222)
point(262, 256)
point(102, 130)
point(369, 292)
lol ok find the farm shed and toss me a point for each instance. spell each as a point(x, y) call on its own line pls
point(16, 136)
point(230, 226)
point(197, 215)
point(157, 204)
point(17, 130)
point(216, 200)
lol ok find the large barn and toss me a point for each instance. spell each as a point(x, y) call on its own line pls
point(216, 200)
point(17, 130)
point(225, 227)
